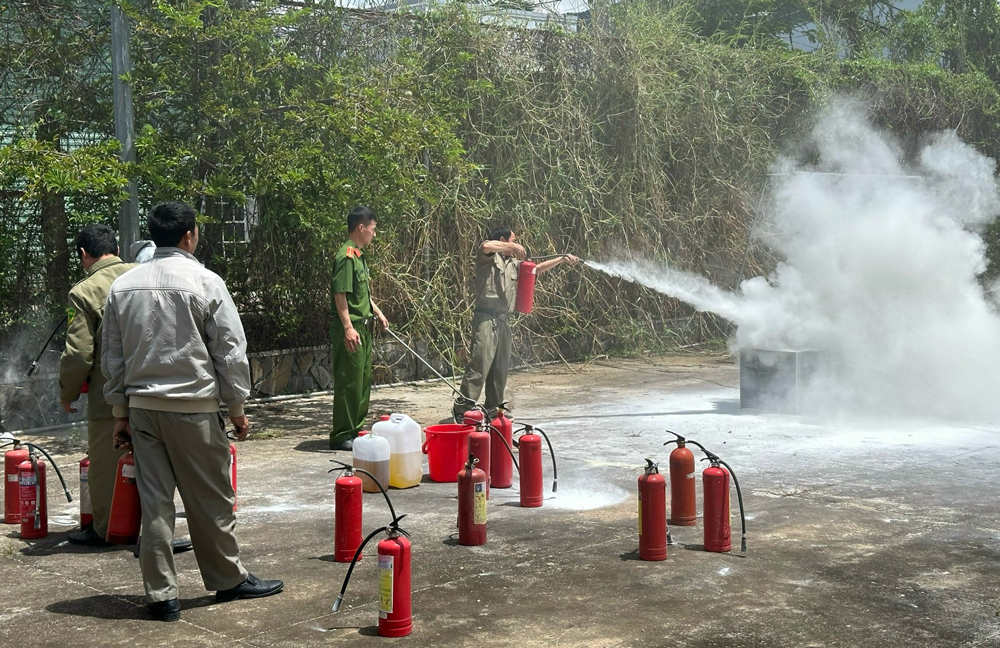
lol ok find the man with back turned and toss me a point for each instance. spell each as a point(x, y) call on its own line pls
point(173, 347)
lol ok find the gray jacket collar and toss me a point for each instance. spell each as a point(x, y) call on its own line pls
point(162, 252)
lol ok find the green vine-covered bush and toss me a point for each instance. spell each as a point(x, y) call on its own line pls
point(636, 136)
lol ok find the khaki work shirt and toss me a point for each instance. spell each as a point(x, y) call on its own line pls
point(496, 282)
point(85, 319)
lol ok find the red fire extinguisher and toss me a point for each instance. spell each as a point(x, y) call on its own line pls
point(529, 450)
point(525, 287)
point(32, 494)
point(12, 461)
point(34, 505)
point(232, 466)
point(683, 506)
point(348, 496)
point(480, 441)
point(347, 515)
point(125, 517)
point(652, 514)
point(715, 483)
point(472, 504)
point(395, 616)
point(86, 509)
point(501, 453)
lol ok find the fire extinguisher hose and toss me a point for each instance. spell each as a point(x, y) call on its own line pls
point(388, 501)
point(510, 450)
point(69, 498)
point(552, 453)
point(430, 366)
point(392, 527)
point(739, 497)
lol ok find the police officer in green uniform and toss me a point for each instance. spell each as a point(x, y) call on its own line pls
point(354, 320)
point(81, 363)
point(497, 263)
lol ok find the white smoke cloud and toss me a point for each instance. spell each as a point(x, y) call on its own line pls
point(880, 269)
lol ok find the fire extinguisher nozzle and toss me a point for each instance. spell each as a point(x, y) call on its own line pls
point(336, 604)
point(743, 545)
point(555, 485)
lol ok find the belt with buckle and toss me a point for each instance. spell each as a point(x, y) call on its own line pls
point(491, 313)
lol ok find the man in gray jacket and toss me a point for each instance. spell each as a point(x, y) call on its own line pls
point(173, 346)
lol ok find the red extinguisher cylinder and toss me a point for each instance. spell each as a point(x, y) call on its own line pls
point(683, 506)
point(473, 417)
point(718, 530)
point(501, 463)
point(12, 461)
point(232, 470)
point(530, 461)
point(471, 505)
point(652, 515)
point(86, 509)
point(395, 614)
point(479, 447)
point(347, 517)
point(125, 517)
point(33, 501)
point(525, 287)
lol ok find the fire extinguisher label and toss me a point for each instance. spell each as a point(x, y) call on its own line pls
point(28, 479)
point(128, 471)
point(640, 513)
point(384, 586)
point(690, 475)
point(12, 477)
point(479, 517)
point(85, 506)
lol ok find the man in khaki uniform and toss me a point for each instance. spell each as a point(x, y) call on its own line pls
point(497, 263)
point(81, 363)
point(173, 347)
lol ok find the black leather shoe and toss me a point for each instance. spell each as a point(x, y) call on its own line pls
point(343, 445)
point(165, 610)
point(182, 545)
point(88, 537)
point(252, 587)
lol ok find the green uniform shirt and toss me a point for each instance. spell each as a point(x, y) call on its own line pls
point(496, 282)
point(85, 315)
point(350, 276)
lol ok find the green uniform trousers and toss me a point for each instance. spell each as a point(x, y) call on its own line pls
point(352, 382)
point(489, 364)
point(102, 471)
point(189, 453)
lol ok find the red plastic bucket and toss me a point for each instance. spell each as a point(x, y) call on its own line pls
point(447, 450)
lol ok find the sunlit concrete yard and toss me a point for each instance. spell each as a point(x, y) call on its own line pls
point(861, 533)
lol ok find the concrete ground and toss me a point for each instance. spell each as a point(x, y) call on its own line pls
point(860, 534)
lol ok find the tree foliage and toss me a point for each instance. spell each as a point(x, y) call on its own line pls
point(648, 133)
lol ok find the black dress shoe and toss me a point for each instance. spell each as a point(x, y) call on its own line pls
point(88, 537)
point(182, 545)
point(165, 610)
point(252, 587)
point(343, 445)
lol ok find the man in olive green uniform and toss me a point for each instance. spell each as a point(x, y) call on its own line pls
point(351, 330)
point(497, 264)
point(81, 363)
